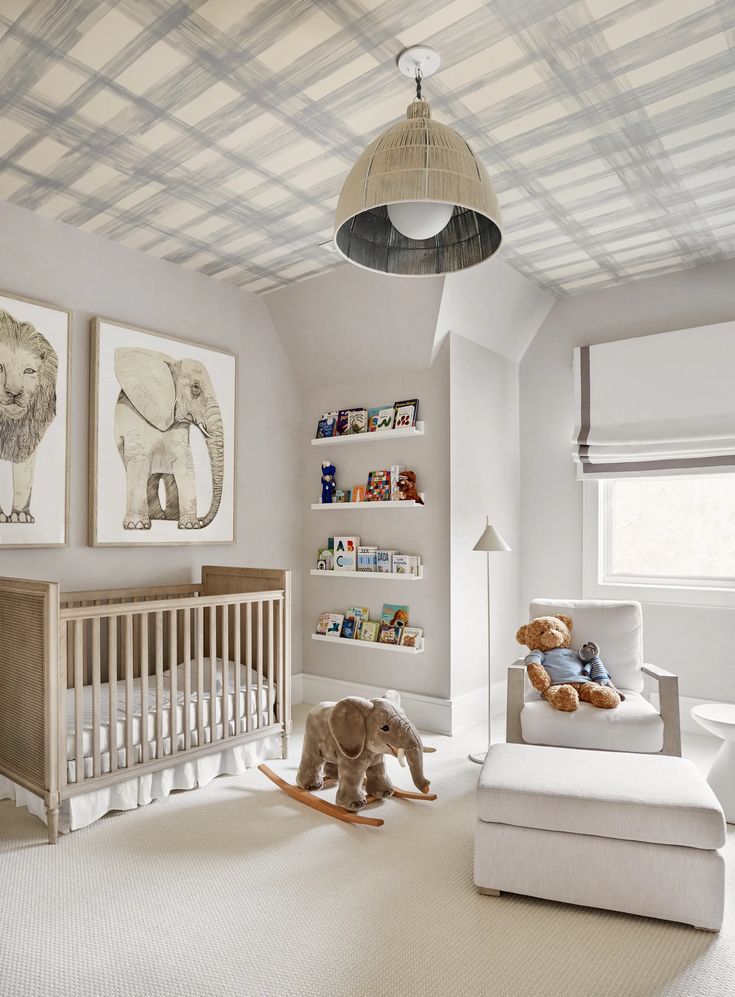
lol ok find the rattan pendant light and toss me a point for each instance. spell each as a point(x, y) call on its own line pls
point(423, 177)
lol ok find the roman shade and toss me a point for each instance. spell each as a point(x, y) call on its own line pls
point(656, 404)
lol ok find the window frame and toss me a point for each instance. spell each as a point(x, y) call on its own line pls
point(595, 553)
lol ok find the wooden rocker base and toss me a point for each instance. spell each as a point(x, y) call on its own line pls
point(331, 809)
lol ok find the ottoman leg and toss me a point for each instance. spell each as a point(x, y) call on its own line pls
point(486, 892)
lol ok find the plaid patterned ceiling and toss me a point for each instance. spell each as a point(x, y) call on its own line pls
point(217, 135)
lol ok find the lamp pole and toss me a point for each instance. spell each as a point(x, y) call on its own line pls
point(489, 541)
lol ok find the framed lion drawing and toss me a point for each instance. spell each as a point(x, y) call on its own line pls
point(34, 423)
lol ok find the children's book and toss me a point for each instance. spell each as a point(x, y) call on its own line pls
point(401, 564)
point(358, 493)
point(384, 560)
point(378, 486)
point(405, 413)
point(357, 421)
point(321, 627)
point(345, 553)
point(349, 627)
point(395, 471)
point(358, 612)
point(393, 613)
point(334, 624)
point(369, 630)
point(414, 565)
point(385, 418)
point(327, 425)
point(366, 558)
point(389, 634)
point(343, 420)
point(373, 414)
point(411, 636)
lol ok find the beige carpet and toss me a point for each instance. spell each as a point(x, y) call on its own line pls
point(235, 889)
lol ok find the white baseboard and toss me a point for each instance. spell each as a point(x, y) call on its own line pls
point(430, 713)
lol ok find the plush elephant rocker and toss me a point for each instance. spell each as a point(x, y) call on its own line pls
point(347, 741)
point(565, 677)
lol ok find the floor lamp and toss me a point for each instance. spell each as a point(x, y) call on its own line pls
point(488, 542)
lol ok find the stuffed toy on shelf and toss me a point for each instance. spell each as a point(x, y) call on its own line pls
point(407, 487)
point(565, 677)
point(329, 482)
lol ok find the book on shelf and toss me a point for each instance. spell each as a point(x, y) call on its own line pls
point(366, 558)
point(334, 624)
point(345, 553)
point(414, 564)
point(373, 414)
point(406, 413)
point(390, 634)
point(327, 425)
point(411, 637)
point(369, 630)
point(401, 564)
point(321, 627)
point(349, 628)
point(384, 560)
point(378, 486)
point(325, 559)
point(385, 418)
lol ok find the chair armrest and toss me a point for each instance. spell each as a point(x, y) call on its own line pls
point(514, 704)
point(668, 693)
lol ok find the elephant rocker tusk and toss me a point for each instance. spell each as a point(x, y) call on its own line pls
point(401, 756)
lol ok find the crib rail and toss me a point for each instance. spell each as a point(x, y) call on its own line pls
point(152, 678)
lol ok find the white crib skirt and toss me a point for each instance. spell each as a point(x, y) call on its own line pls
point(84, 809)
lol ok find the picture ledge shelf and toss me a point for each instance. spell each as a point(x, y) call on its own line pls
point(389, 504)
point(373, 645)
point(372, 575)
point(383, 434)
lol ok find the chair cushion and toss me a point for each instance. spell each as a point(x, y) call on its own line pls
point(632, 726)
point(660, 798)
point(616, 626)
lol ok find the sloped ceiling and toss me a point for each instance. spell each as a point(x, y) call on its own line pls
point(217, 135)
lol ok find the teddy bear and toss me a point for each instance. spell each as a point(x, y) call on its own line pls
point(560, 674)
point(407, 487)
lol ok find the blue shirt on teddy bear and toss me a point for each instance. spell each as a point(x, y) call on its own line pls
point(564, 665)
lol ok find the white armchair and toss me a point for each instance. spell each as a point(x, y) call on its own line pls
point(635, 725)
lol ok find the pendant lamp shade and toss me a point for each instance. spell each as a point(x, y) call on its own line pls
point(417, 160)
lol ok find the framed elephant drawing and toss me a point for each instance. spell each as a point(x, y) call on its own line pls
point(35, 377)
point(163, 446)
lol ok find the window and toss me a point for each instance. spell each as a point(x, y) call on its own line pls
point(671, 538)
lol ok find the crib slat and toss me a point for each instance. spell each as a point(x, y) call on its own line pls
point(62, 701)
point(78, 701)
point(159, 684)
point(260, 663)
point(187, 677)
point(129, 748)
point(237, 656)
point(96, 722)
point(225, 638)
point(248, 666)
point(173, 660)
point(112, 648)
point(281, 687)
point(271, 655)
point(212, 672)
point(200, 674)
point(144, 687)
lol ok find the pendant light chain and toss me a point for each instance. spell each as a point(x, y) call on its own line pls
point(419, 78)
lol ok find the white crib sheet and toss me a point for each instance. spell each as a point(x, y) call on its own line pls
point(148, 724)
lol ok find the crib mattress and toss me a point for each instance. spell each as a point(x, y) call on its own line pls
point(144, 720)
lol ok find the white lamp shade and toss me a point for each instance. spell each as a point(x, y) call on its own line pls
point(491, 540)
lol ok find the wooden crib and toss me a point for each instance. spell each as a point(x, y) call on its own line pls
point(103, 686)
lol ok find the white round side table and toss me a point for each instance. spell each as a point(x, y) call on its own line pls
point(719, 719)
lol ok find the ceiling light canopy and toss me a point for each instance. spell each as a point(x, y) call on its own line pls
point(418, 202)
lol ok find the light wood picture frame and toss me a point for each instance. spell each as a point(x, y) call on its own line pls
point(163, 439)
point(35, 422)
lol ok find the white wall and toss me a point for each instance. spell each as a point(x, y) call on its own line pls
point(484, 460)
point(415, 531)
point(56, 263)
point(494, 306)
point(694, 642)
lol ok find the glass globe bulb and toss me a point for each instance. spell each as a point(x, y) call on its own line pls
point(420, 219)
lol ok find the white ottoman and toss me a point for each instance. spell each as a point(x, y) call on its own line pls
point(625, 832)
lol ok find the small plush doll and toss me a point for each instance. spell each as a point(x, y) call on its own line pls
point(407, 487)
point(561, 675)
point(329, 484)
